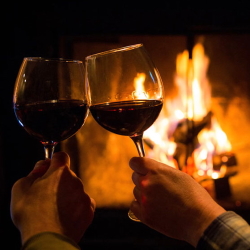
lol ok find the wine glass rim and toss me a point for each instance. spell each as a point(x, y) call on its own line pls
point(124, 48)
point(44, 59)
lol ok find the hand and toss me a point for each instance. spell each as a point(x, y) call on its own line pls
point(171, 201)
point(51, 198)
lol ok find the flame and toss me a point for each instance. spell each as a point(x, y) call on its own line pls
point(193, 102)
point(164, 149)
point(212, 141)
point(216, 136)
point(193, 85)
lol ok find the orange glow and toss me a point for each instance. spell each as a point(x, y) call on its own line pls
point(104, 169)
point(193, 102)
point(164, 149)
point(213, 141)
point(193, 85)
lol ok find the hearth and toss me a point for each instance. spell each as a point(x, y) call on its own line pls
point(204, 124)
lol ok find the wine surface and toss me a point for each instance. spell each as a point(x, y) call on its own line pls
point(52, 121)
point(128, 118)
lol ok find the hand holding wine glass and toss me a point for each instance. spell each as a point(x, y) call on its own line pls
point(49, 99)
point(125, 92)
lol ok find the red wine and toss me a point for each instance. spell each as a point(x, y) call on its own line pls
point(128, 118)
point(52, 121)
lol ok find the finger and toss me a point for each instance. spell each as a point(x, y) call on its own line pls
point(138, 165)
point(92, 204)
point(40, 168)
point(136, 178)
point(137, 194)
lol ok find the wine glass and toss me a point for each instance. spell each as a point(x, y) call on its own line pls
point(124, 92)
point(49, 99)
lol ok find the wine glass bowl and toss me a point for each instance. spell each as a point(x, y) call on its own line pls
point(124, 92)
point(50, 100)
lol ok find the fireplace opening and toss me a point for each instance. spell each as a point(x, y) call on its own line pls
point(80, 31)
point(202, 130)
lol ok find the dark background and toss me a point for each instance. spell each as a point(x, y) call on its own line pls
point(35, 29)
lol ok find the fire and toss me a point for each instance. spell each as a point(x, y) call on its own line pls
point(216, 136)
point(105, 171)
point(192, 103)
point(163, 149)
point(212, 141)
point(193, 85)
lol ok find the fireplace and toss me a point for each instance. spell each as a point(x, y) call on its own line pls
point(81, 30)
point(101, 158)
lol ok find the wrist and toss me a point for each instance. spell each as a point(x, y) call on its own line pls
point(202, 222)
point(49, 240)
point(29, 232)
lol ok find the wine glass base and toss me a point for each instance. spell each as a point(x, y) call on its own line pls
point(132, 216)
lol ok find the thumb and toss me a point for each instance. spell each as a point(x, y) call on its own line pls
point(59, 159)
point(138, 164)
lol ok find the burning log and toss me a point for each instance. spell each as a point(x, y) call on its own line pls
point(186, 134)
point(201, 148)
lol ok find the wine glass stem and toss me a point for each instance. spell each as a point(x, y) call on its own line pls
point(140, 148)
point(139, 144)
point(49, 150)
